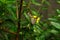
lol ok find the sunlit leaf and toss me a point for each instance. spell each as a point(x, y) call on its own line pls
point(58, 11)
point(58, 2)
point(56, 25)
point(54, 31)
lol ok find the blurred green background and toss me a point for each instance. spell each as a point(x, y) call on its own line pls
point(40, 20)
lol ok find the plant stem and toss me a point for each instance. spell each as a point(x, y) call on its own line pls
point(19, 17)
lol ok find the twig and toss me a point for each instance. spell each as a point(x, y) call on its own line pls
point(6, 30)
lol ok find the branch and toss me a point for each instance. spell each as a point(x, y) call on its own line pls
point(19, 17)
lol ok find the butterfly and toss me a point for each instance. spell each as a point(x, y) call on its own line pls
point(34, 19)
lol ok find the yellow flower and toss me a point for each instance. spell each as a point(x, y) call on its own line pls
point(35, 17)
point(37, 20)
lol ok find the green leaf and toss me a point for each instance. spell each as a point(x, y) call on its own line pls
point(58, 15)
point(44, 8)
point(46, 2)
point(56, 25)
point(26, 16)
point(13, 15)
point(58, 2)
point(34, 12)
point(52, 19)
point(58, 11)
point(24, 3)
point(35, 3)
point(54, 31)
